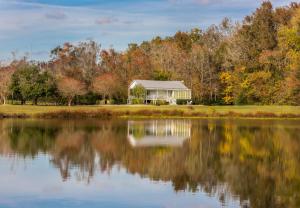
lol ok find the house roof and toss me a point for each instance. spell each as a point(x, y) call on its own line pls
point(153, 84)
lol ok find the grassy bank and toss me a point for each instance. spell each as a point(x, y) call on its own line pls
point(29, 111)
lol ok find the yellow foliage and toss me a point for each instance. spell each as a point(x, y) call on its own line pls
point(226, 146)
point(247, 149)
point(226, 78)
point(245, 84)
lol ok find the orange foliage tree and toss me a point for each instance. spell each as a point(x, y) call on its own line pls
point(105, 85)
point(69, 88)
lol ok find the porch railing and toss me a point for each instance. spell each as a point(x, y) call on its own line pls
point(153, 97)
point(157, 97)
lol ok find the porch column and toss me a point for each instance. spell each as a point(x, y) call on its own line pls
point(167, 95)
point(128, 100)
point(156, 95)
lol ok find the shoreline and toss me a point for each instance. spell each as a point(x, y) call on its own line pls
point(140, 111)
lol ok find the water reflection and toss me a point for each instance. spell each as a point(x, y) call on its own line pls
point(158, 132)
point(256, 162)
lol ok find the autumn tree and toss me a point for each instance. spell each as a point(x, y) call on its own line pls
point(105, 85)
point(113, 62)
point(138, 63)
point(79, 62)
point(289, 43)
point(5, 80)
point(227, 82)
point(259, 48)
point(183, 41)
point(88, 57)
point(69, 88)
point(161, 75)
point(257, 33)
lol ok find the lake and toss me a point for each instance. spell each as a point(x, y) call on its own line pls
point(151, 163)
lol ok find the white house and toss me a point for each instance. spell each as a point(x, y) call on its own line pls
point(169, 91)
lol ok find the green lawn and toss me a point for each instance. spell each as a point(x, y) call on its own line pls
point(208, 110)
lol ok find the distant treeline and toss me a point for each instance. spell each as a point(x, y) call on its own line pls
point(253, 62)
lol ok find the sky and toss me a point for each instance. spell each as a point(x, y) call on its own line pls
point(34, 27)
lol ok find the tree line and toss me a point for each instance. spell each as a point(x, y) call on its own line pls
point(256, 61)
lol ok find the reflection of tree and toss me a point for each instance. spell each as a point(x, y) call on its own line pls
point(251, 161)
point(29, 139)
point(5, 147)
point(73, 150)
point(258, 162)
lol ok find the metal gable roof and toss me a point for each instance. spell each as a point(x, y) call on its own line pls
point(153, 84)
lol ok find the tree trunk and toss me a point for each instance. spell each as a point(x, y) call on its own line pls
point(215, 94)
point(105, 100)
point(108, 101)
point(35, 101)
point(4, 100)
point(70, 101)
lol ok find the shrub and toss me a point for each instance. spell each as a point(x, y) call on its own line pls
point(159, 102)
point(137, 101)
point(181, 102)
point(64, 114)
point(138, 91)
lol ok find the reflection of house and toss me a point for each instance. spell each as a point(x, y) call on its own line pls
point(168, 91)
point(158, 132)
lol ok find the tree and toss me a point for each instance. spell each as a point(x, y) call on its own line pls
point(289, 43)
point(138, 63)
point(139, 92)
point(5, 80)
point(161, 75)
point(69, 88)
point(29, 83)
point(80, 61)
point(258, 33)
point(105, 85)
point(88, 54)
point(183, 41)
point(227, 81)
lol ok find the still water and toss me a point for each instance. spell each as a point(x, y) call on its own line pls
point(150, 163)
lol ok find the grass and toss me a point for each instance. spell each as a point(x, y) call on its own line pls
point(149, 111)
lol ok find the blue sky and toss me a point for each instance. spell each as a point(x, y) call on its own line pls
point(37, 26)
